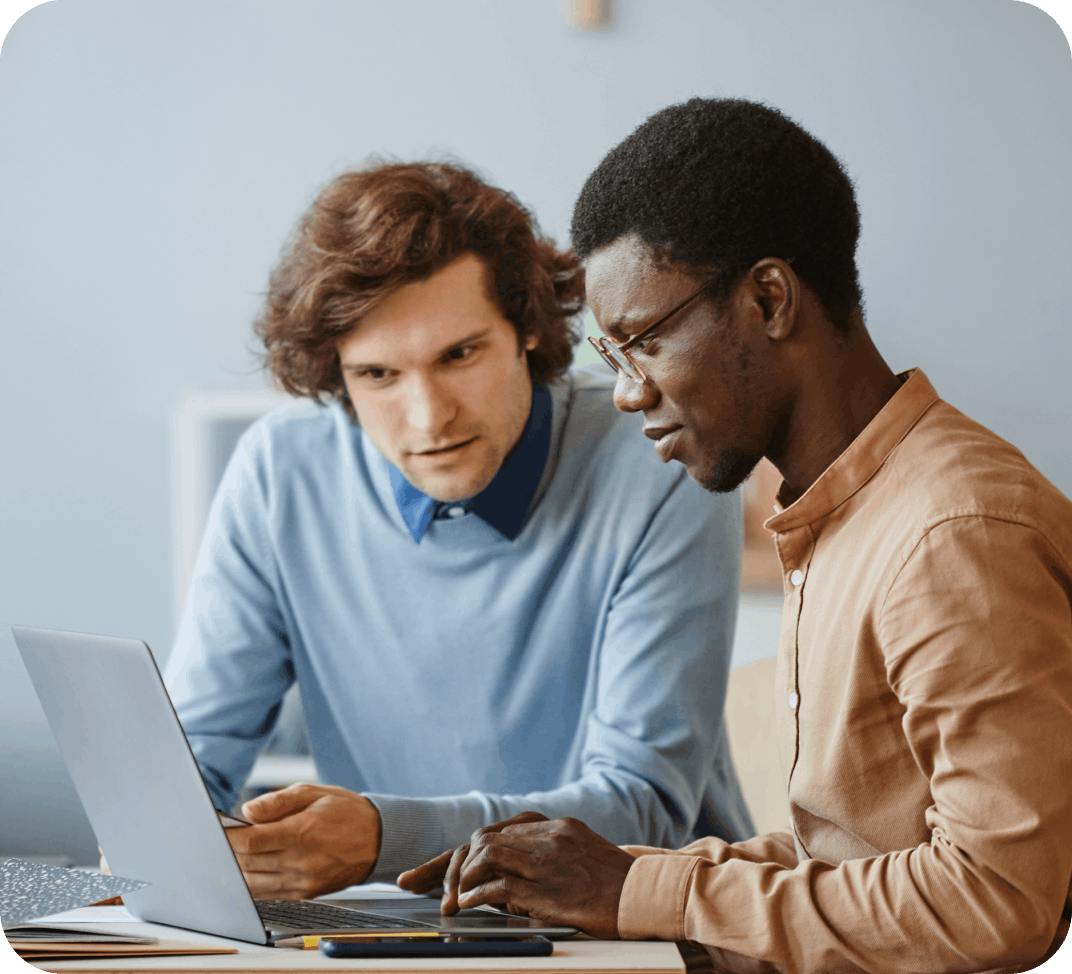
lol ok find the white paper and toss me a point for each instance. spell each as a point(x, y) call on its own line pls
point(91, 914)
point(369, 891)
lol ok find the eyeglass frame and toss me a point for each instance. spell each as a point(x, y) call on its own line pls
point(631, 342)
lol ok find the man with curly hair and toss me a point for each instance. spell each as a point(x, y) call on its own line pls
point(492, 597)
point(924, 675)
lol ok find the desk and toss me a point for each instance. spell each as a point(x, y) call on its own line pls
point(574, 956)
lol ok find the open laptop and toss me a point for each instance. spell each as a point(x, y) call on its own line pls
point(143, 792)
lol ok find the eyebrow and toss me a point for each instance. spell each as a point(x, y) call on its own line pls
point(445, 350)
point(614, 327)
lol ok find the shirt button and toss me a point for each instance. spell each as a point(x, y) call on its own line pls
point(455, 511)
point(797, 577)
point(793, 701)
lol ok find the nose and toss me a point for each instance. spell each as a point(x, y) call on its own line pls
point(429, 407)
point(631, 396)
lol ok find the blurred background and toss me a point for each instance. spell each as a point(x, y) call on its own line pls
point(155, 156)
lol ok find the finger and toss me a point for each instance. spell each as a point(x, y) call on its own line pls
point(256, 839)
point(489, 833)
point(275, 805)
point(519, 894)
point(448, 906)
point(496, 860)
point(533, 839)
point(523, 818)
point(271, 886)
point(261, 863)
point(427, 876)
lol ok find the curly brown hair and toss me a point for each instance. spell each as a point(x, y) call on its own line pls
point(371, 231)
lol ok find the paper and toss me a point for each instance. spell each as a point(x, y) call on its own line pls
point(60, 951)
point(370, 891)
point(37, 932)
point(31, 890)
point(92, 914)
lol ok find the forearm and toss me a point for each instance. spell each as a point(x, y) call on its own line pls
point(775, 847)
point(224, 763)
point(926, 909)
point(418, 829)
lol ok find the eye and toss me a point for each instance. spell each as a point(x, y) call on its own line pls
point(460, 354)
point(373, 375)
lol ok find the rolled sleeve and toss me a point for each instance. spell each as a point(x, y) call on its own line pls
point(654, 897)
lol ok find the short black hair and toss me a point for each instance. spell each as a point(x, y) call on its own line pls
point(719, 183)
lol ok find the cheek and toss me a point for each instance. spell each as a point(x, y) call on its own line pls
point(382, 419)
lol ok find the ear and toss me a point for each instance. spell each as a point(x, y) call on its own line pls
point(777, 291)
point(531, 341)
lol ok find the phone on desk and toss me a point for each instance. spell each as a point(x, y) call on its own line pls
point(439, 945)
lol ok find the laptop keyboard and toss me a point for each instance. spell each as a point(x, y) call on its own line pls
point(310, 915)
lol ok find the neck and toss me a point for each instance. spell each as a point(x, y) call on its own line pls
point(844, 383)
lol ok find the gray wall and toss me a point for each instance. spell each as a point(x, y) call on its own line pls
point(154, 155)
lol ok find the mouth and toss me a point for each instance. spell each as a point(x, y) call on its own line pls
point(666, 440)
point(443, 451)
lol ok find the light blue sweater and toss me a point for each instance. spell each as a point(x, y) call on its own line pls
point(579, 669)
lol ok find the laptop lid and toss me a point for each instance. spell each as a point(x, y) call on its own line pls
point(138, 781)
point(144, 795)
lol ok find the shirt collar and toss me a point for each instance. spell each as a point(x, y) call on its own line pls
point(504, 503)
point(863, 457)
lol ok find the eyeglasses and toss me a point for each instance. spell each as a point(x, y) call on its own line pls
point(618, 357)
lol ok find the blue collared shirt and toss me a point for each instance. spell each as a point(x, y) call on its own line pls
point(504, 503)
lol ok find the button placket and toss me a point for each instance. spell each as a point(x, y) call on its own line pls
point(797, 551)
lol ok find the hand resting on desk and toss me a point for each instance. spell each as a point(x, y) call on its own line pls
point(559, 871)
point(306, 840)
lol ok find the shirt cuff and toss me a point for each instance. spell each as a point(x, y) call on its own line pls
point(653, 897)
point(411, 834)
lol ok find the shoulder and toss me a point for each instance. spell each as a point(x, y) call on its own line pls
point(604, 452)
point(594, 420)
point(952, 465)
point(303, 437)
point(955, 475)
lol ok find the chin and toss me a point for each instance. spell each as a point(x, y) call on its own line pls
point(446, 490)
point(445, 493)
point(730, 470)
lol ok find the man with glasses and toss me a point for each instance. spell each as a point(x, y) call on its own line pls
point(492, 596)
point(924, 676)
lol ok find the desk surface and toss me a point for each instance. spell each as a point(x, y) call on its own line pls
point(581, 956)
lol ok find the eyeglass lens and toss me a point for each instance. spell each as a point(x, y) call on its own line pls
point(616, 358)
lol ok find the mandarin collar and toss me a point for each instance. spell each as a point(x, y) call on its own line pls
point(863, 457)
point(504, 503)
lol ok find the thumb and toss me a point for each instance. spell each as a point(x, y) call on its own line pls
point(275, 805)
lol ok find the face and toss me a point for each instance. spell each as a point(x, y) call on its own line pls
point(702, 398)
point(438, 381)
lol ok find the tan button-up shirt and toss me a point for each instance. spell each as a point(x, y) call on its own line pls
point(924, 708)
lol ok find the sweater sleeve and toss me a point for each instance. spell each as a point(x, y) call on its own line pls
point(977, 636)
point(654, 746)
point(230, 664)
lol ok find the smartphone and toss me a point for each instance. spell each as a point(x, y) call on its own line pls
point(232, 821)
point(379, 945)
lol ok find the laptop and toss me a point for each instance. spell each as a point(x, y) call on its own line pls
point(154, 819)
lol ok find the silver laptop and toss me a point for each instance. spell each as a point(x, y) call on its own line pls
point(153, 816)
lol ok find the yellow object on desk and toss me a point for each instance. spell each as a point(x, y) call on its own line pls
point(312, 942)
